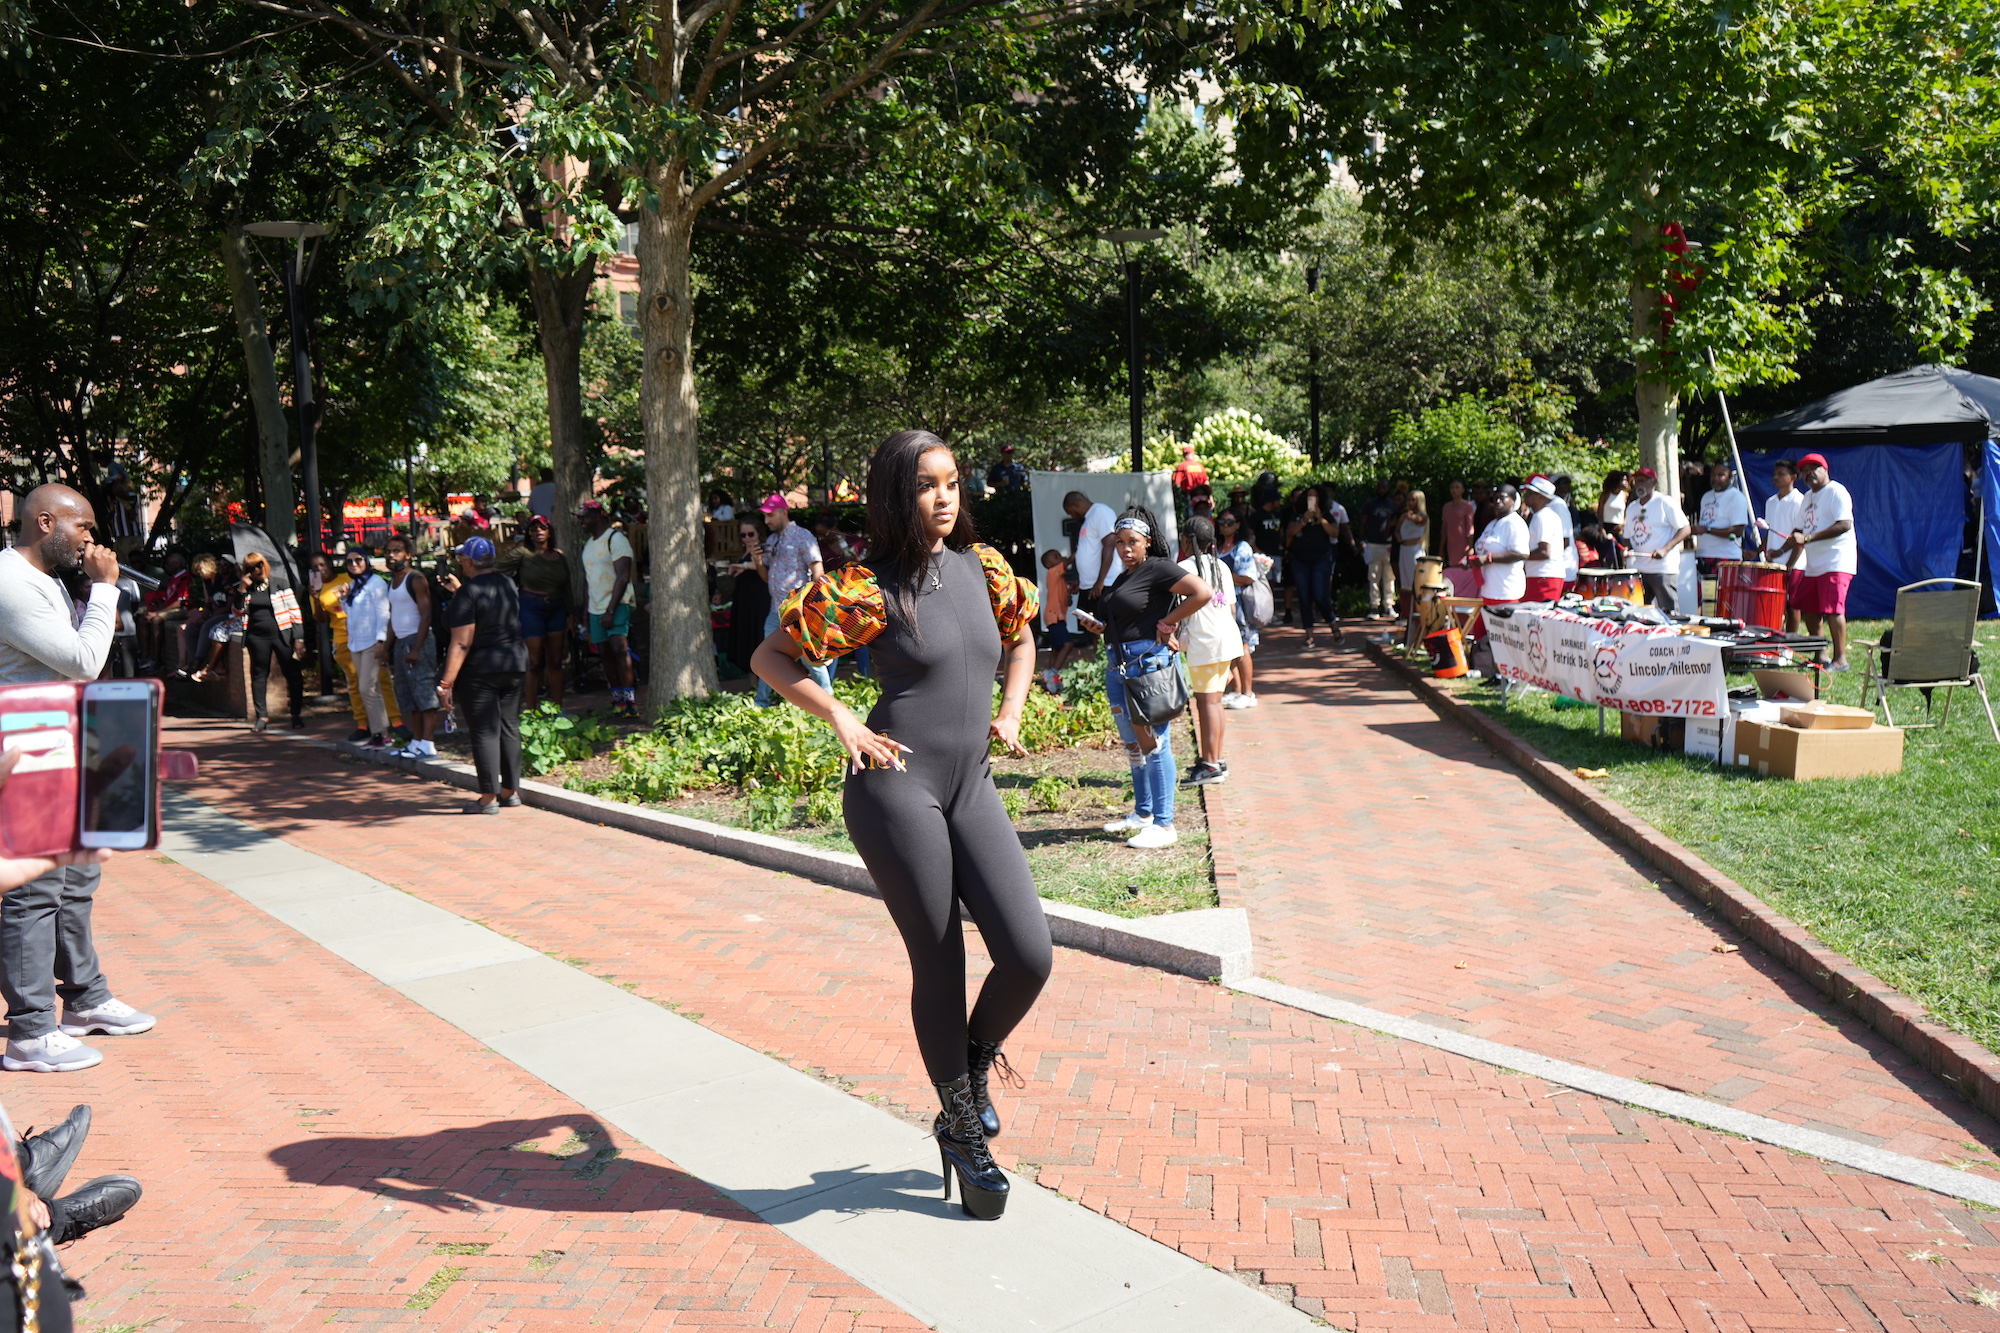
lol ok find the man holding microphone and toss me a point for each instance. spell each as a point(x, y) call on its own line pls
point(45, 930)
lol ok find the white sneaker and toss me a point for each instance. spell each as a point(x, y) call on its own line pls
point(114, 1018)
point(1153, 836)
point(1126, 824)
point(52, 1053)
point(425, 749)
point(1242, 701)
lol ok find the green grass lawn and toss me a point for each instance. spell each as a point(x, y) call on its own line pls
point(1901, 874)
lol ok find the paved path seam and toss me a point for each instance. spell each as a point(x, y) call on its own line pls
point(1664, 1101)
point(1963, 1064)
point(849, 1181)
point(1211, 944)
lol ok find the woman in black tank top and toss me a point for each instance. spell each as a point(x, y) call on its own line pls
point(941, 615)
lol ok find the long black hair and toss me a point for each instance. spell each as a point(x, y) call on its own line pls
point(898, 550)
point(1201, 535)
point(1156, 541)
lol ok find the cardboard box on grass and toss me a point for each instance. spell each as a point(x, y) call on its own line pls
point(1778, 751)
point(1655, 733)
point(1798, 685)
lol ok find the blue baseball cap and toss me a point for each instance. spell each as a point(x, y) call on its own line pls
point(476, 549)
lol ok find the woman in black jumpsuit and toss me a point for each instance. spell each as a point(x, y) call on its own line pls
point(266, 639)
point(939, 614)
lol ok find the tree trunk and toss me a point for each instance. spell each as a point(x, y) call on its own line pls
point(274, 456)
point(681, 661)
point(562, 300)
point(1657, 397)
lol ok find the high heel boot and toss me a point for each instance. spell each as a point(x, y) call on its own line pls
point(980, 1057)
point(982, 1186)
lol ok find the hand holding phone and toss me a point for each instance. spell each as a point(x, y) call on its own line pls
point(117, 789)
point(1089, 622)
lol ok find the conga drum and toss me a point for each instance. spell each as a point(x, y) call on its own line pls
point(1430, 576)
point(1752, 592)
point(1594, 583)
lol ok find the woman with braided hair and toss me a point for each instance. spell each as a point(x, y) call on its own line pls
point(941, 614)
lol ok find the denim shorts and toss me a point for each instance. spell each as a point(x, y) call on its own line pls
point(542, 616)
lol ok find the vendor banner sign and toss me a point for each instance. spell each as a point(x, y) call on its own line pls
point(1632, 668)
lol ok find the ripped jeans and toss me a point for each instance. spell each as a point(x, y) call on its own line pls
point(1153, 774)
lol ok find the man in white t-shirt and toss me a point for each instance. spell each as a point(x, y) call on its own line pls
point(1719, 521)
point(1543, 569)
point(1782, 513)
point(1096, 567)
point(1656, 527)
point(542, 495)
point(1561, 505)
point(1500, 556)
point(1825, 534)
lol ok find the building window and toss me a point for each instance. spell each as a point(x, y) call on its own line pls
point(628, 308)
point(628, 244)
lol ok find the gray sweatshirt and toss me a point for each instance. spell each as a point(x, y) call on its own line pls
point(40, 638)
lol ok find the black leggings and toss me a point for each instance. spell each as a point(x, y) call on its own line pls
point(263, 644)
point(492, 702)
point(933, 840)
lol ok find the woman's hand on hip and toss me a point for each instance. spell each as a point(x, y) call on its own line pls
point(866, 748)
point(1006, 728)
point(1172, 638)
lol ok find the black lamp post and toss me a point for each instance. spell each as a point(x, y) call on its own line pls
point(296, 272)
point(1134, 365)
point(1312, 361)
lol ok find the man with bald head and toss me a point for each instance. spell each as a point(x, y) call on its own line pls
point(45, 923)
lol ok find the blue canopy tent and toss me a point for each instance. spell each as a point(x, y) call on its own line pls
point(1899, 446)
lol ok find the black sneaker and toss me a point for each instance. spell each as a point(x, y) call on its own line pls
point(48, 1156)
point(359, 736)
point(1205, 773)
point(98, 1204)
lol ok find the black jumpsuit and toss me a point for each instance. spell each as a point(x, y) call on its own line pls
point(934, 835)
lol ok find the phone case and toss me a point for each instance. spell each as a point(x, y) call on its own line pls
point(38, 806)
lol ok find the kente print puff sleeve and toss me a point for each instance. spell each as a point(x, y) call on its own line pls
point(835, 614)
point(1015, 599)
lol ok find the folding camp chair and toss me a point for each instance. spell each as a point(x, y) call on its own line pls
point(1931, 648)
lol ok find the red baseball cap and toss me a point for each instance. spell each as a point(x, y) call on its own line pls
point(1645, 472)
point(1813, 460)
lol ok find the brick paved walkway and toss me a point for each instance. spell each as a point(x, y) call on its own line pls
point(1420, 874)
point(1381, 1184)
point(316, 1149)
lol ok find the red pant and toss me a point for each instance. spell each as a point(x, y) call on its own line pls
point(1543, 590)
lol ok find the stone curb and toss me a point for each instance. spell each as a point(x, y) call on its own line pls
point(1212, 943)
point(1958, 1060)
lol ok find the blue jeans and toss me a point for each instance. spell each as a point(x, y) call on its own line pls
point(1152, 774)
point(822, 674)
point(1313, 577)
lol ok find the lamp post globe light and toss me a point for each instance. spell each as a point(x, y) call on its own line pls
point(296, 272)
point(1135, 370)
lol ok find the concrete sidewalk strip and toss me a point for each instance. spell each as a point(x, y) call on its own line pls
point(850, 1182)
point(1647, 1096)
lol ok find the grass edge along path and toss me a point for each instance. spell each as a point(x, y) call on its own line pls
point(1548, 744)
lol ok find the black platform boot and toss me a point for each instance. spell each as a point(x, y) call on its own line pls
point(982, 1186)
point(981, 1056)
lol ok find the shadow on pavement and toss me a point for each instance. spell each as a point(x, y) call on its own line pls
point(507, 1163)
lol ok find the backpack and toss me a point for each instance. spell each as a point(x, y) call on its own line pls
point(1254, 599)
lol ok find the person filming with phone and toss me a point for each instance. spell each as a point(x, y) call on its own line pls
point(46, 948)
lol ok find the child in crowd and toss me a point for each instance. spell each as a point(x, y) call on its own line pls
point(1062, 642)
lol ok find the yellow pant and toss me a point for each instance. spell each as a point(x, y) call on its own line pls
point(346, 660)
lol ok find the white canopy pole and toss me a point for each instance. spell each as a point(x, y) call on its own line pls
point(1736, 460)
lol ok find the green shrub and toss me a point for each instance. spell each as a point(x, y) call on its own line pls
point(1016, 802)
point(1233, 445)
point(1051, 792)
point(768, 809)
point(725, 740)
point(549, 739)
